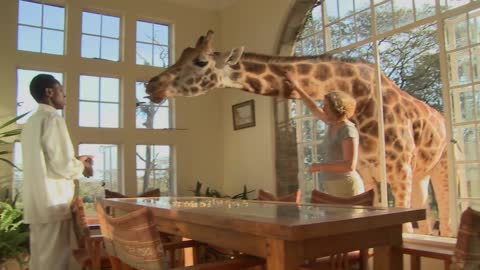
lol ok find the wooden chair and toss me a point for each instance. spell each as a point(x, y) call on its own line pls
point(343, 260)
point(467, 249)
point(464, 256)
point(267, 196)
point(132, 242)
point(90, 253)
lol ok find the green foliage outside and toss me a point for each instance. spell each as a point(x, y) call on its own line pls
point(215, 193)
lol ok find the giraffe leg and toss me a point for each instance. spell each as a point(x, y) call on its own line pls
point(401, 185)
point(420, 200)
point(440, 186)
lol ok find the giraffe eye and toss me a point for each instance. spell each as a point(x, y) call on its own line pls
point(199, 63)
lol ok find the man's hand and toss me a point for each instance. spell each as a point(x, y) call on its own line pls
point(87, 164)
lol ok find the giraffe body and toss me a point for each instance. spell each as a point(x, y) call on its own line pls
point(415, 134)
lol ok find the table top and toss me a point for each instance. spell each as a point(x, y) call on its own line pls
point(279, 219)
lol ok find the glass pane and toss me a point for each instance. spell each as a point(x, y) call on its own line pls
point(424, 8)
point(53, 17)
point(466, 105)
point(403, 12)
point(467, 142)
point(309, 47)
point(465, 204)
point(25, 102)
point(363, 25)
point(470, 185)
point(90, 46)
point(17, 174)
point(459, 72)
point(320, 129)
point(144, 32)
point(91, 23)
point(384, 17)
point(348, 35)
point(88, 114)
point(321, 152)
point(335, 32)
point(144, 54)
point(307, 156)
point(320, 44)
point(317, 18)
point(332, 10)
point(160, 34)
point(110, 49)
point(105, 172)
point(110, 89)
point(475, 55)
point(345, 8)
point(455, 32)
point(29, 38)
point(456, 3)
point(361, 4)
point(477, 101)
point(52, 42)
point(160, 56)
point(474, 26)
point(306, 130)
point(110, 26)
point(89, 88)
point(29, 13)
point(109, 115)
point(153, 162)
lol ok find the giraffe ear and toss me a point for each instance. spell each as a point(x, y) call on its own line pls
point(229, 58)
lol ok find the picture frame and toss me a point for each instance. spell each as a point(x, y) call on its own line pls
point(243, 114)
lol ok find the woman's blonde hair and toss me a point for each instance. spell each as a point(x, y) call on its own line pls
point(341, 103)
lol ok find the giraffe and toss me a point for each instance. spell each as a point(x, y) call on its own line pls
point(415, 134)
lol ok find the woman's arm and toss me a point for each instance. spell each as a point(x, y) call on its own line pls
point(349, 164)
point(307, 100)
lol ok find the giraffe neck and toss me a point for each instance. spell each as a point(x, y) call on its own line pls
point(318, 75)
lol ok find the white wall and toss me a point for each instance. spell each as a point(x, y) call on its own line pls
point(250, 153)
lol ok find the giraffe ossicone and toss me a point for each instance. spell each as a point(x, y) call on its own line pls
point(415, 134)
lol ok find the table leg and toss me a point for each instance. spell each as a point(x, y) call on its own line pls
point(390, 257)
point(284, 255)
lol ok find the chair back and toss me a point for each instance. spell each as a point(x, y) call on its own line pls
point(149, 193)
point(467, 250)
point(79, 221)
point(363, 199)
point(267, 196)
point(133, 239)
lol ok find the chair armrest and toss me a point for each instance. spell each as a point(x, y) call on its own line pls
point(240, 262)
point(441, 253)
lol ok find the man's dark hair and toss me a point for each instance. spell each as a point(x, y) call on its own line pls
point(38, 85)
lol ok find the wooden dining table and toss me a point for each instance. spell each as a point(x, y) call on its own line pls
point(285, 234)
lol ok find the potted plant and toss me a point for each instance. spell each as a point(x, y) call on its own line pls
point(14, 234)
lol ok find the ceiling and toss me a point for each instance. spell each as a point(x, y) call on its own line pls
point(204, 4)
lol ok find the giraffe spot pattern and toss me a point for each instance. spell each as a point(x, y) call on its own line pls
point(190, 81)
point(343, 86)
point(344, 70)
point(235, 76)
point(255, 84)
point(304, 69)
point(214, 77)
point(359, 88)
point(280, 70)
point(365, 72)
point(255, 68)
point(323, 72)
point(370, 128)
point(235, 66)
point(194, 89)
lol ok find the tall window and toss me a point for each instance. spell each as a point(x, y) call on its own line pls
point(25, 102)
point(105, 174)
point(154, 168)
point(40, 28)
point(100, 36)
point(411, 58)
point(153, 44)
point(17, 173)
point(149, 114)
point(99, 102)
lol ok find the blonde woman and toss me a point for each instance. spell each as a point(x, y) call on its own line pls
point(338, 173)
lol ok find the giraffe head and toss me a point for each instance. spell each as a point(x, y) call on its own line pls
point(197, 70)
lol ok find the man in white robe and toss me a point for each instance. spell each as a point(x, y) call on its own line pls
point(49, 167)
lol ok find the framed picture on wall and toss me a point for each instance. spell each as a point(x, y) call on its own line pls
point(244, 114)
